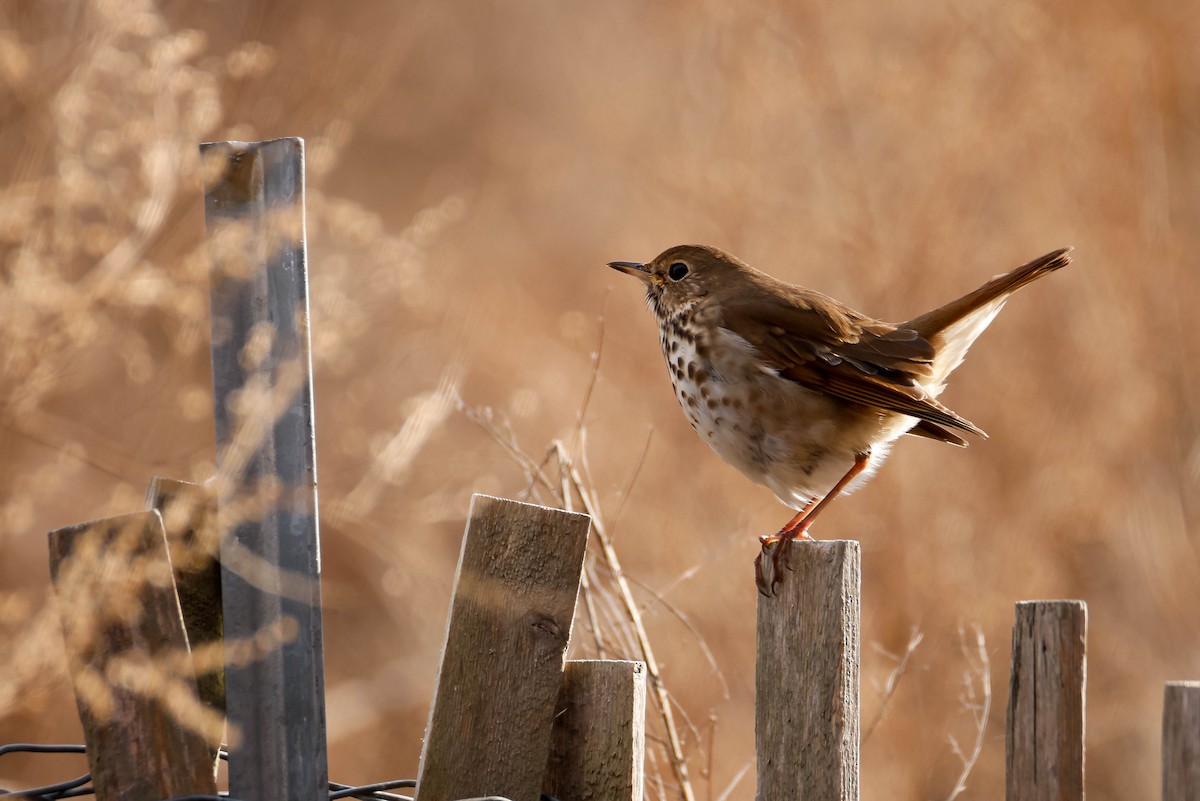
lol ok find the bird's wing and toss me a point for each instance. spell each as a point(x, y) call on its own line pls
point(828, 347)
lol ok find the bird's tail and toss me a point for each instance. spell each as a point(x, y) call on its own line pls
point(952, 328)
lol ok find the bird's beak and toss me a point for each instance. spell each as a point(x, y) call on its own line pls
point(634, 268)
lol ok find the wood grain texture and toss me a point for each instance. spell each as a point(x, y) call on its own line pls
point(598, 749)
point(123, 631)
point(806, 723)
point(189, 513)
point(1181, 741)
point(1045, 724)
point(502, 664)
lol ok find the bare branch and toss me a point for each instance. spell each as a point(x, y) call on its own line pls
point(914, 639)
point(980, 705)
point(737, 778)
point(687, 623)
point(629, 485)
point(675, 746)
point(591, 385)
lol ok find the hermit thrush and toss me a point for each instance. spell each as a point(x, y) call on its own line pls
point(798, 391)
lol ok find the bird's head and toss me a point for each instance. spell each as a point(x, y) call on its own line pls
point(683, 275)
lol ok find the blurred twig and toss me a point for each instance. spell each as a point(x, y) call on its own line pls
point(889, 689)
point(736, 780)
point(395, 458)
point(577, 432)
point(977, 702)
point(679, 615)
point(629, 485)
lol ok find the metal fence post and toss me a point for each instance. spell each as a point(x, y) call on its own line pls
point(266, 470)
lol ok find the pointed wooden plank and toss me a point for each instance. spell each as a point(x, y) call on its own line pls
point(599, 745)
point(502, 663)
point(1181, 741)
point(807, 717)
point(266, 469)
point(1046, 702)
point(125, 645)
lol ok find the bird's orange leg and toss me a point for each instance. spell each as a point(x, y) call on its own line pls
point(770, 539)
point(797, 527)
point(860, 464)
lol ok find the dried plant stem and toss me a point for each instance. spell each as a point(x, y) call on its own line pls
point(571, 484)
point(589, 606)
point(686, 621)
point(914, 639)
point(674, 744)
point(577, 433)
point(585, 580)
point(978, 703)
point(712, 740)
point(736, 780)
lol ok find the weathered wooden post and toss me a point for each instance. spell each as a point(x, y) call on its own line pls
point(807, 716)
point(128, 658)
point(266, 469)
point(189, 515)
point(599, 744)
point(1046, 702)
point(1181, 741)
point(490, 724)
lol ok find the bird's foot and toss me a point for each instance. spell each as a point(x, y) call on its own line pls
point(766, 584)
point(779, 546)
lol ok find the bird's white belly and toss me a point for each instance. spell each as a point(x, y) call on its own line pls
point(797, 442)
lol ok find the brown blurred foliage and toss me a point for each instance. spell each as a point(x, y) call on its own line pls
point(471, 168)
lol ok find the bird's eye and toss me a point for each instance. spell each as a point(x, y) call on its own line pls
point(677, 271)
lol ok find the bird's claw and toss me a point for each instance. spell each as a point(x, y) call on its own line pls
point(779, 545)
point(771, 544)
point(766, 587)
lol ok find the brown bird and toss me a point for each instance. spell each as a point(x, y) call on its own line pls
point(798, 391)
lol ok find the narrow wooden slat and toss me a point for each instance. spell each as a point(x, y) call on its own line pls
point(189, 513)
point(502, 664)
point(266, 469)
point(1181, 741)
point(807, 716)
point(1046, 702)
point(126, 645)
point(599, 744)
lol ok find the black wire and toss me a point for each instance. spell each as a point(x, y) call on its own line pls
point(49, 791)
point(79, 792)
point(76, 787)
point(52, 790)
point(42, 748)
point(369, 790)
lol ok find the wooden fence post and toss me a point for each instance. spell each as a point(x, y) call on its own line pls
point(128, 658)
point(1181, 741)
point(807, 716)
point(1046, 702)
point(599, 744)
point(189, 514)
point(266, 470)
point(502, 664)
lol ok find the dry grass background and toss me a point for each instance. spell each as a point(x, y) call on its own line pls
point(472, 167)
